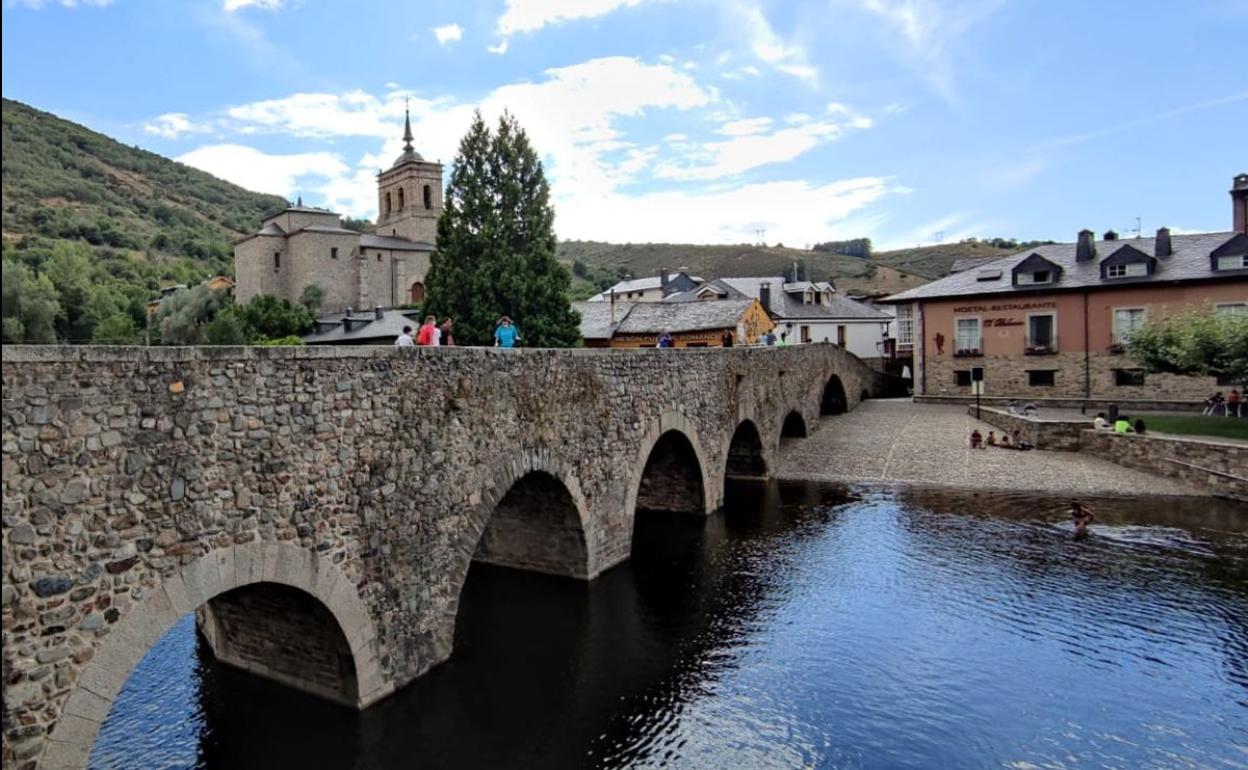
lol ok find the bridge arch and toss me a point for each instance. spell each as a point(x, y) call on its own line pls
point(745, 452)
point(834, 400)
point(671, 465)
point(223, 571)
point(794, 425)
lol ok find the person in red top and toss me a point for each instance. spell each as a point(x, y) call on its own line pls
point(428, 334)
point(1233, 403)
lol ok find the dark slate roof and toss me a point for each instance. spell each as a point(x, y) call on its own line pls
point(1189, 261)
point(366, 328)
point(966, 263)
point(324, 229)
point(270, 229)
point(641, 284)
point(654, 317)
point(596, 323)
point(393, 242)
point(786, 299)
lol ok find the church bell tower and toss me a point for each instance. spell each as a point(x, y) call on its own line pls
point(409, 194)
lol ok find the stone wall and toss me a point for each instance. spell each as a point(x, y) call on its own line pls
point(1057, 435)
point(1008, 376)
point(1205, 463)
point(140, 483)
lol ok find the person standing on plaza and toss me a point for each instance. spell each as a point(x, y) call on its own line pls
point(1234, 403)
point(405, 340)
point(427, 337)
point(505, 334)
point(445, 335)
point(784, 340)
point(727, 339)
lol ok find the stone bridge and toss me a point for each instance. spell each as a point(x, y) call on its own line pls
point(318, 508)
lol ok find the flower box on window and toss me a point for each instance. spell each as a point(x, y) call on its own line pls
point(1116, 349)
point(967, 353)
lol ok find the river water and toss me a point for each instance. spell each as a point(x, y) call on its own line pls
point(805, 626)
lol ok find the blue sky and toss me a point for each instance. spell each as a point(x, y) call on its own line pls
point(687, 120)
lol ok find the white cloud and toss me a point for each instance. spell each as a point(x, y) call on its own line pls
point(229, 6)
point(37, 4)
point(532, 15)
point(791, 211)
point(784, 56)
point(172, 125)
point(748, 148)
point(448, 33)
point(259, 171)
point(499, 48)
point(745, 127)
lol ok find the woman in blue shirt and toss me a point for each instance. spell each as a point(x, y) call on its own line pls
point(505, 335)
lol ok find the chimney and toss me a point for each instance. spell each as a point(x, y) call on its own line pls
point(1162, 246)
point(1110, 235)
point(346, 323)
point(378, 313)
point(663, 282)
point(1085, 249)
point(764, 295)
point(1239, 204)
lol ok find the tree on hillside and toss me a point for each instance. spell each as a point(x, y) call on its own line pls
point(496, 243)
point(183, 316)
point(1202, 344)
point(31, 305)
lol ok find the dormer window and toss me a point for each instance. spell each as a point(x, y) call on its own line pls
point(1036, 270)
point(1127, 262)
point(808, 298)
point(1129, 270)
point(1233, 262)
point(1232, 255)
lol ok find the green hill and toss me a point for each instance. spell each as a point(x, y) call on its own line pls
point(596, 265)
point(105, 222)
point(936, 261)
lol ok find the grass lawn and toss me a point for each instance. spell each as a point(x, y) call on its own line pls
point(1196, 425)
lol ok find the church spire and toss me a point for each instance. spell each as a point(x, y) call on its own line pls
point(407, 128)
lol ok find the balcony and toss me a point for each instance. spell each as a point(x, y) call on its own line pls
point(967, 352)
point(1040, 346)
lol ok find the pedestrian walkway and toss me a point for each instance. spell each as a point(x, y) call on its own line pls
point(898, 441)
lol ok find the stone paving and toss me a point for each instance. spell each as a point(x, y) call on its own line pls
point(898, 441)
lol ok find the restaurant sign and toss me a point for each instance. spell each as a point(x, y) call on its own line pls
point(1003, 308)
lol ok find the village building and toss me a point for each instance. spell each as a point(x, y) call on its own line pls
point(1053, 321)
point(639, 324)
point(302, 246)
point(362, 327)
point(805, 311)
point(652, 289)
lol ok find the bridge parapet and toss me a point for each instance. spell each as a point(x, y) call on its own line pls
point(140, 484)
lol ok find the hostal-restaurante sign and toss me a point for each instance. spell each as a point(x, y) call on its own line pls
point(1005, 307)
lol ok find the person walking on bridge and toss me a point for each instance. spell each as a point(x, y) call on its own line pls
point(505, 334)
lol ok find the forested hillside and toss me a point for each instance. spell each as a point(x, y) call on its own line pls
point(93, 228)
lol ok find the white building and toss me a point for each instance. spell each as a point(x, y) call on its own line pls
point(652, 289)
point(805, 311)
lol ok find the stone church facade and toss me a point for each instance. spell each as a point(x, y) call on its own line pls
point(303, 246)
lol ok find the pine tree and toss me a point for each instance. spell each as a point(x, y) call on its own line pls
point(496, 244)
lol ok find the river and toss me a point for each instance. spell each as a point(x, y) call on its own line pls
point(804, 626)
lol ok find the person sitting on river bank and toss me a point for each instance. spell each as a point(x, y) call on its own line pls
point(1100, 423)
point(992, 438)
point(1080, 516)
point(977, 439)
point(1123, 424)
point(1005, 442)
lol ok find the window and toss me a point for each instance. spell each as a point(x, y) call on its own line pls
point(967, 336)
point(1041, 377)
point(1125, 377)
point(333, 252)
point(277, 260)
point(1129, 270)
point(841, 335)
point(1040, 337)
point(805, 334)
point(400, 199)
point(808, 298)
point(1126, 321)
point(1038, 276)
point(387, 203)
point(1233, 262)
point(428, 197)
point(1230, 308)
point(962, 378)
point(379, 256)
point(905, 326)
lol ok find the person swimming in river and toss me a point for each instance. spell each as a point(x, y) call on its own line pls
point(1080, 516)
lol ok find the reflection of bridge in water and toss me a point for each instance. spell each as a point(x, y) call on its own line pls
point(318, 508)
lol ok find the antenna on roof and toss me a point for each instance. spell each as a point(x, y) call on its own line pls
point(299, 202)
point(1137, 227)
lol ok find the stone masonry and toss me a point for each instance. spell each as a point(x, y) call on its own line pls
point(142, 484)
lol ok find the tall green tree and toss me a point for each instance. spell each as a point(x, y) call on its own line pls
point(1203, 344)
point(31, 305)
point(496, 243)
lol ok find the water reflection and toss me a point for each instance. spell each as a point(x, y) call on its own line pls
point(805, 626)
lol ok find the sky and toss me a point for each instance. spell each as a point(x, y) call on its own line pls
point(693, 121)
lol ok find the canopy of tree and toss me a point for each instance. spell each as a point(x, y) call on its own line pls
point(1205, 344)
point(496, 244)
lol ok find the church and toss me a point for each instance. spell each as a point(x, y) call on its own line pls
point(303, 246)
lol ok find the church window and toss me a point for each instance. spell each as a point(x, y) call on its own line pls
point(277, 260)
point(387, 203)
point(379, 256)
point(400, 199)
point(333, 252)
point(428, 197)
